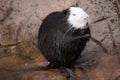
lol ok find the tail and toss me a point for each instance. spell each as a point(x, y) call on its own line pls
point(25, 69)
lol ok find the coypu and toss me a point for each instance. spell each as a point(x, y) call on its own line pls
point(63, 36)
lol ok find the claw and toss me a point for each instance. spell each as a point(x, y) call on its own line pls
point(87, 64)
point(68, 72)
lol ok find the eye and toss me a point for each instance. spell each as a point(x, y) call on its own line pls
point(73, 14)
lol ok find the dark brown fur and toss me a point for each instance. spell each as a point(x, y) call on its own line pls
point(59, 48)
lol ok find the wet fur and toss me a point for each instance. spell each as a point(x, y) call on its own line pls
point(60, 44)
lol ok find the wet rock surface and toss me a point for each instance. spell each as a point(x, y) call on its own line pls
point(19, 24)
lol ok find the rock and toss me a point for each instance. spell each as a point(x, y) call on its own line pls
point(46, 75)
point(19, 24)
point(106, 68)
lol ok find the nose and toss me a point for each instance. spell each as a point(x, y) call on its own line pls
point(86, 18)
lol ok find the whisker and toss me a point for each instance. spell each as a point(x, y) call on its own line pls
point(68, 31)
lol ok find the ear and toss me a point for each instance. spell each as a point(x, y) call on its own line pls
point(76, 5)
point(65, 11)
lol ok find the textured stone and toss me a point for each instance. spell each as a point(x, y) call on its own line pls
point(19, 24)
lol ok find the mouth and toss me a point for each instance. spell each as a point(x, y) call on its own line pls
point(87, 24)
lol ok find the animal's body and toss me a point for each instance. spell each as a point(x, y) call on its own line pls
point(63, 36)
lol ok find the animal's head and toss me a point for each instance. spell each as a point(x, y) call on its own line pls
point(77, 17)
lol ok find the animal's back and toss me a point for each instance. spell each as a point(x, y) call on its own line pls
point(49, 37)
